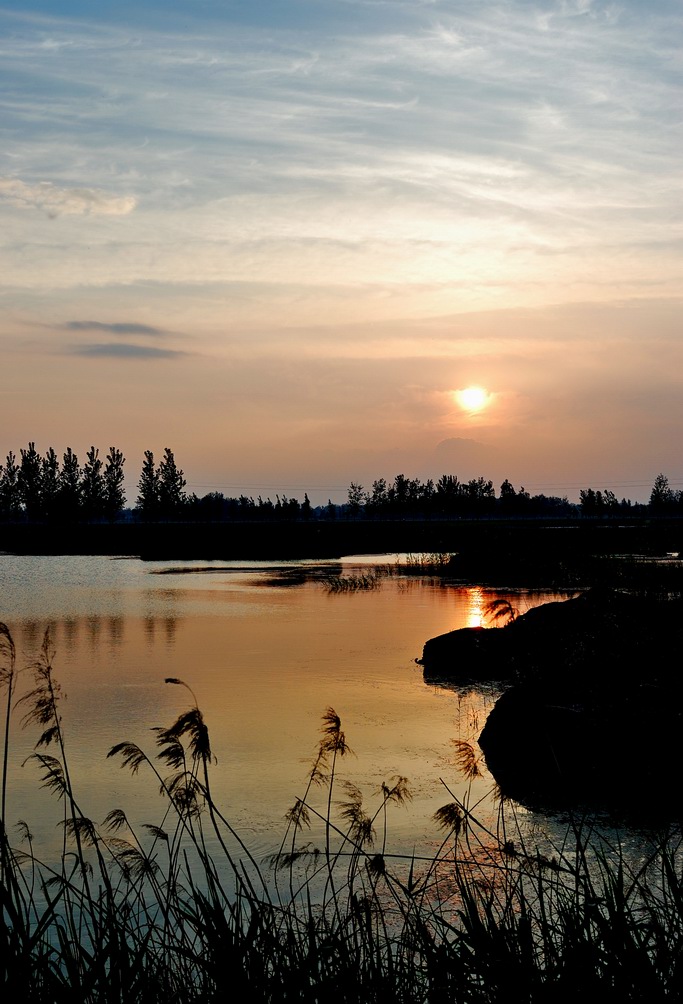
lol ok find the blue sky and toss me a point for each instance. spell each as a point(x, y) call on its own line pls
point(279, 237)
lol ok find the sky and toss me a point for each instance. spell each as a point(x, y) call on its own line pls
point(282, 237)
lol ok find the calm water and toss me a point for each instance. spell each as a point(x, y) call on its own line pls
point(264, 662)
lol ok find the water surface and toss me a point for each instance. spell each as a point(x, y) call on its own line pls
point(264, 661)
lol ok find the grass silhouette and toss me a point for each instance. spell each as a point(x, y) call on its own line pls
point(181, 911)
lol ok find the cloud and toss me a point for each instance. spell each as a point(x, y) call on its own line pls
point(451, 146)
point(123, 328)
point(117, 351)
point(56, 201)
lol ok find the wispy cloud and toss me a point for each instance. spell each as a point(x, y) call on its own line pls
point(55, 201)
point(117, 328)
point(117, 350)
point(489, 135)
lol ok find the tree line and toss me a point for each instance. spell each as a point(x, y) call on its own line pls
point(47, 489)
point(39, 488)
point(401, 498)
point(447, 497)
point(664, 500)
point(450, 497)
point(43, 488)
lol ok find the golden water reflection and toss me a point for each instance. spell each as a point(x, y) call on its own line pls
point(69, 634)
point(475, 607)
point(264, 664)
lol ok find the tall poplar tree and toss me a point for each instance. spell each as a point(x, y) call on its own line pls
point(69, 498)
point(50, 485)
point(92, 485)
point(10, 501)
point(114, 497)
point(29, 479)
point(147, 502)
point(171, 486)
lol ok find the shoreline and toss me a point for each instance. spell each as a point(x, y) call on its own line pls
point(556, 539)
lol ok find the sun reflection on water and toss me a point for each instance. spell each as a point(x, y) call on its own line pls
point(475, 607)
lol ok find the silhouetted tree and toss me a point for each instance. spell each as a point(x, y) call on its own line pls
point(508, 497)
point(245, 506)
point(540, 505)
point(587, 501)
point(114, 497)
point(480, 488)
point(50, 484)
point(448, 494)
point(69, 494)
point(147, 501)
point(356, 498)
point(266, 509)
point(480, 495)
point(171, 486)
point(213, 506)
point(291, 508)
point(592, 502)
point(610, 501)
point(662, 497)
point(92, 486)
point(404, 496)
point(29, 479)
point(378, 499)
point(10, 499)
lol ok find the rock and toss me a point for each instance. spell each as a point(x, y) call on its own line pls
point(598, 639)
point(465, 655)
point(594, 712)
point(625, 756)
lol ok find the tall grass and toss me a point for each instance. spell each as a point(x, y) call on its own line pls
point(182, 911)
point(361, 582)
point(435, 563)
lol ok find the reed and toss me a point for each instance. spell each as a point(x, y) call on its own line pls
point(362, 582)
point(436, 563)
point(181, 911)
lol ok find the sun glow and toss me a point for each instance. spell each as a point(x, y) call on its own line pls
point(472, 398)
point(475, 607)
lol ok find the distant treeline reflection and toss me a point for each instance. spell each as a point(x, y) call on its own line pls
point(92, 629)
point(35, 488)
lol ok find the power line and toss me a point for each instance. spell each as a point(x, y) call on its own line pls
point(305, 487)
point(274, 487)
point(603, 484)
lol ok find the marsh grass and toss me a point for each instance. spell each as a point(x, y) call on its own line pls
point(436, 563)
point(181, 911)
point(361, 582)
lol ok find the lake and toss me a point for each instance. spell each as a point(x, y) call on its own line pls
point(265, 660)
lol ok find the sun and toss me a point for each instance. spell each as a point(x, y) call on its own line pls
point(472, 398)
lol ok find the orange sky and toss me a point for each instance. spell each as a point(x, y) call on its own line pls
point(278, 241)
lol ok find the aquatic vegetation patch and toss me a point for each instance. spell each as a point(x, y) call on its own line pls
point(435, 563)
point(362, 582)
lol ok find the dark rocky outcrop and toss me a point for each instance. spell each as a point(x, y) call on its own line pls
point(624, 755)
point(466, 655)
point(502, 653)
point(593, 715)
point(601, 636)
